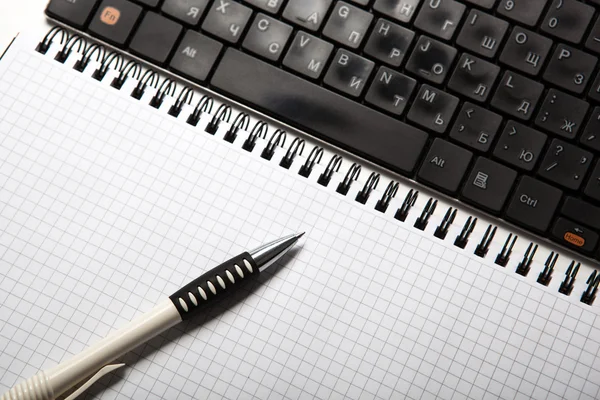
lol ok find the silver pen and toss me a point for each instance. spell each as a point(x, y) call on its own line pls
point(180, 306)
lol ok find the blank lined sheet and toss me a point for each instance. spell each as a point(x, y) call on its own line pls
point(107, 204)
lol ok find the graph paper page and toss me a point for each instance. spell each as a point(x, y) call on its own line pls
point(107, 205)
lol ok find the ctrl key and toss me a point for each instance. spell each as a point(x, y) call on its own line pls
point(533, 204)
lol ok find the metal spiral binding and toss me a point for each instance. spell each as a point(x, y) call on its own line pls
point(65, 52)
point(132, 68)
point(150, 78)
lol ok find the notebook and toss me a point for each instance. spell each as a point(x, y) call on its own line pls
point(119, 185)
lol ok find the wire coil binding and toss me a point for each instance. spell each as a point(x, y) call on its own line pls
point(145, 77)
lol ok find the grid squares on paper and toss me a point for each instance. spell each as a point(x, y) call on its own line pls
point(108, 205)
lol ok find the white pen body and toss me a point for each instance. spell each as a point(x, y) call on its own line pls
point(55, 381)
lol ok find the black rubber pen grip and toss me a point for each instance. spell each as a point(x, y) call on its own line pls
point(214, 285)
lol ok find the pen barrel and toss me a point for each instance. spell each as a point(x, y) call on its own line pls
point(214, 284)
point(141, 329)
point(34, 388)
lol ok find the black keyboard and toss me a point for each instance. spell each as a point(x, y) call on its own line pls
point(495, 102)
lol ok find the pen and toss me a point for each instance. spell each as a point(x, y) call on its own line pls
point(180, 306)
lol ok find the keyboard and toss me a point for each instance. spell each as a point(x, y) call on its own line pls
point(494, 102)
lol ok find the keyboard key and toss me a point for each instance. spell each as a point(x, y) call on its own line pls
point(155, 37)
point(517, 95)
point(440, 18)
point(75, 13)
point(348, 73)
point(115, 20)
point(227, 20)
point(186, 11)
point(307, 13)
point(526, 51)
point(524, 11)
point(592, 189)
point(488, 185)
point(582, 212)
point(475, 127)
point(483, 3)
point(270, 6)
point(390, 91)
point(400, 10)
point(473, 77)
point(591, 135)
point(444, 166)
point(568, 20)
point(433, 109)
point(319, 111)
point(561, 114)
point(389, 42)
point(431, 59)
point(574, 235)
point(594, 92)
point(267, 37)
point(482, 33)
point(520, 146)
point(361, 2)
point(195, 56)
point(533, 204)
point(149, 3)
point(570, 68)
point(593, 41)
point(348, 25)
point(565, 164)
point(308, 55)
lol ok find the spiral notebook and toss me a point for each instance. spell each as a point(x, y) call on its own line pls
point(118, 185)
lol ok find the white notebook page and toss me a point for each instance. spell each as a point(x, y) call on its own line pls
point(107, 204)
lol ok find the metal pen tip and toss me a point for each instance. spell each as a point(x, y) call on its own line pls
point(269, 253)
point(299, 235)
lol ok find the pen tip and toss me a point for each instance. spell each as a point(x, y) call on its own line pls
point(299, 235)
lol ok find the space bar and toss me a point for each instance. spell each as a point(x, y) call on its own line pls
point(320, 112)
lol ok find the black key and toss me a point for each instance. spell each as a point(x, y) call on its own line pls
point(520, 146)
point(227, 20)
point(433, 109)
point(489, 185)
point(307, 13)
point(267, 37)
point(390, 91)
point(582, 212)
point(570, 68)
point(348, 73)
point(592, 189)
point(565, 164)
point(195, 56)
point(361, 2)
point(440, 18)
point(319, 111)
point(483, 3)
point(74, 13)
point(524, 11)
point(482, 33)
point(517, 95)
point(574, 235)
point(271, 6)
point(308, 55)
point(568, 20)
point(561, 114)
point(526, 51)
point(594, 92)
point(389, 42)
point(473, 77)
point(444, 166)
point(115, 20)
point(591, 134)
point(186, 11)
point(476, 127)
point(347, 25)
point(401, 10)
point(431, 59)
point(149, 3)
point(593, 41)
point(533, 204)
point(155, 38)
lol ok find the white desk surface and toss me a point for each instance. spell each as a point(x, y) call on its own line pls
point(21, 16)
